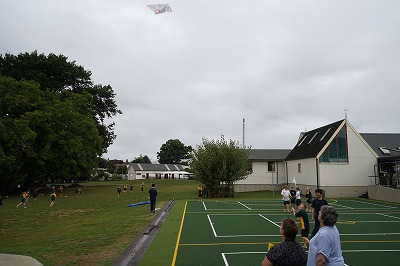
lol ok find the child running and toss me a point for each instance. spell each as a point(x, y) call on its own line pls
point(53, 198)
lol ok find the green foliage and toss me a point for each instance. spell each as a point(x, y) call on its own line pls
point(218, 164)
point(45, 135)
point(174, 152)
point(55, 74)
point(141, 159)
point(52, 119)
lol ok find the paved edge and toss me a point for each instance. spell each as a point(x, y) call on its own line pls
point(12, 260)
point(135, 251)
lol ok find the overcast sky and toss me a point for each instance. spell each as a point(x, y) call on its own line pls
point(283, 65)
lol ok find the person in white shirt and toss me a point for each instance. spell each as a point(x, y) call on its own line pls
point(298, 198)
point(286, 199)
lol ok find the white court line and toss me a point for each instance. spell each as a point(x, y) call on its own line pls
point(371, 234)
point(375, 204)
point(343, 206)
point(205, 207)
point(394, 217)
point(269, 220)
point(375, 221)
point(371, 250)
point(212, 226)
point(248, 236)
point(244, 205)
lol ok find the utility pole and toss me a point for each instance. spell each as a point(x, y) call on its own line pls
point(244, 145)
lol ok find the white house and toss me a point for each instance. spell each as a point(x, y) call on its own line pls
point(152, 171)
point(335, 158)
point(268, 170)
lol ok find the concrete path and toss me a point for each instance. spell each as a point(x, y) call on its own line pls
point(13, 260)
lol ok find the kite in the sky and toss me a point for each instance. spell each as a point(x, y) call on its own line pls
point(161, 8)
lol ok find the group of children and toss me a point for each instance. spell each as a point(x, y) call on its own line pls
point(125, 187)
point(35, 192)
point(300, 210)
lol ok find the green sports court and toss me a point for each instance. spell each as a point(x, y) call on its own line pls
point(220, 232)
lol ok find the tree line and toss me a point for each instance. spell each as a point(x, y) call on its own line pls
point(53, 126)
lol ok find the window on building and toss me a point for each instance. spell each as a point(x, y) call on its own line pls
point(326, 133)
point(384, 150)
point(271, 166)
point(299, 167)
point(336, 152)
point(304, 138)
point(313, 137)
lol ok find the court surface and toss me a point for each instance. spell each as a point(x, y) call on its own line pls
point(220, 232)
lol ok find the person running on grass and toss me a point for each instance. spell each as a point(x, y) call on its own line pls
point(24, 196)
point(119, 191)
point(304, 222)
point(52, 198)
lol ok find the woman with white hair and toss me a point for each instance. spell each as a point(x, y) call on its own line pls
point(325, 247)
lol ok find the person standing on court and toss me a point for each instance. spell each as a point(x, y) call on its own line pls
point(200, 192)
point(153, 197)
point(298, 198)
point(308, 198)
point(316, 205)
point(292, 198)
point(288, 252)
point(325, 245)
point(285, 193)
point(304, 222)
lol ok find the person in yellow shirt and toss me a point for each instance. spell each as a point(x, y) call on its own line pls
point(53, 198)
point(200, 192)
point(24, 196)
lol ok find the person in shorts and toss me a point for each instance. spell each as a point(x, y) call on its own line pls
point(298, 197)
point(286, 198)
point(304, 223)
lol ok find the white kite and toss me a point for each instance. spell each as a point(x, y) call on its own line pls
point(161, 8)
point(294, 181)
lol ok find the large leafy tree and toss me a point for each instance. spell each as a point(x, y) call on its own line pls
point(56, 74)
point(52, 119)
point(218, 164)
point(174, 151)
point(44, 135)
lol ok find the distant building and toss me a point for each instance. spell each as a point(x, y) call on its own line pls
point(268, 170)
point(156, 171)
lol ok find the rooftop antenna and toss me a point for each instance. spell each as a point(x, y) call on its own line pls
point(244, 146)
point(345, 113)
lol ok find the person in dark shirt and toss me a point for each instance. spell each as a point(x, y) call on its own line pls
point(292, 197)
point(316, 205)
point(153, 197)
point(309, 198)
point(288, 252)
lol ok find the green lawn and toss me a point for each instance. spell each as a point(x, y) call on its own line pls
point(91, 229)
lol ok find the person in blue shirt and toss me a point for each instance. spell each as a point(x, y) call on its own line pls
point(325, 246)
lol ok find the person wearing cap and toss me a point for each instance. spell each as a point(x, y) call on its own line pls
point(316, 205)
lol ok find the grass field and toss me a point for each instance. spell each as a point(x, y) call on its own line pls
point(91, 229)
point(96, 227)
